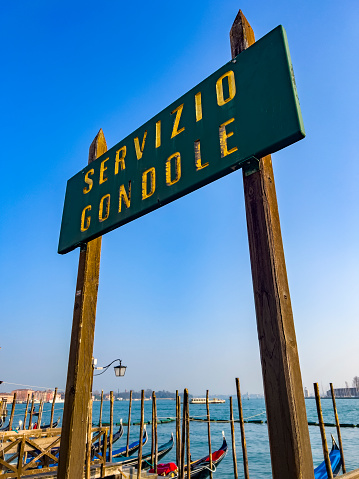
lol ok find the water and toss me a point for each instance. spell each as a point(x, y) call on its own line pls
point(256, 434)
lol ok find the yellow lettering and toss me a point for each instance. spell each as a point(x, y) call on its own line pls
point(89, 181)
point(152, 174)
point(169, 180)
point(120, 160)
point(83, 217)
point(198, 104)
point(123, 196)
point(197, 155)
point(223, 135)
point(158, 133)
point(103, 168)
point(178, 112)
point(101, 217)
point(231, 86)
point(139, 150)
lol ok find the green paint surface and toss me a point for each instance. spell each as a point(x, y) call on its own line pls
point(266, 116)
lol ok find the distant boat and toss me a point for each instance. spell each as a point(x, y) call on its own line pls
point(320, 472)
point(210, 401)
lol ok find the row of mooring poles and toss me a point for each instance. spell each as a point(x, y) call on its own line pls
point(322, 430)
point(26, 413)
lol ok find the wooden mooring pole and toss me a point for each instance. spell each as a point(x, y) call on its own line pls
point(53, 407)
point(139, 463)
point(178, 430)
point(291, 455)
point(234, 453)
point(155, 431)
point(183, 441)
point(31, 411)
point(322, 432)
point(129, 423)
point(79, 373)
point(39, 417)
point(26, 410)
point(209, 434)
point(13, 405)
point(111, 425)
point(101, 406)
point(243, 436)
point(188, 448)
point(338, 427)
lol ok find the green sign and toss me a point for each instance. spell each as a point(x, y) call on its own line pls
point(246, 109)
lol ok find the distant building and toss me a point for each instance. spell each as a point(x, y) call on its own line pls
point(8, 396)
point(21, 394)
point(45, 396)
point(345, 393)
point(306, 393)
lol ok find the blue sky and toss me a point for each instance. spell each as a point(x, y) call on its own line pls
point(175, 297)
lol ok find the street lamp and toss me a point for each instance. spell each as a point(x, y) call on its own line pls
point(119, 369)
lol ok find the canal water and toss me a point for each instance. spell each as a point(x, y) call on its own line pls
point(256, 434)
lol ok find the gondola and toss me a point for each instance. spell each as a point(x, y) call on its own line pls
point(320, 472)
point(199, 469)
point(132, 448)
point(54, 424)
point(146, 458)
point(115, 438)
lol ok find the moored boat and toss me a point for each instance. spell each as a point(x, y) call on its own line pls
point(199, 469)
point(320, 472)
point(146, 458)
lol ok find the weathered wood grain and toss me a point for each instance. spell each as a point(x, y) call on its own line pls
point(291, 455)
point(79, 374)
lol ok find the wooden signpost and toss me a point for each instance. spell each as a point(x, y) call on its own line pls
point(234, 119)
point(291, 453)
point(79, 373)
